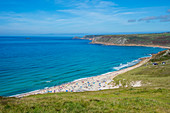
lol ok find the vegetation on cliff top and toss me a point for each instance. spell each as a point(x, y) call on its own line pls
point(154, 96)
point(162, 39)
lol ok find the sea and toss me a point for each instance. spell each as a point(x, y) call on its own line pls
point(37, 62)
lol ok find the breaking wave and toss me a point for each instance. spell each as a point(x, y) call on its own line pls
point(128, 64)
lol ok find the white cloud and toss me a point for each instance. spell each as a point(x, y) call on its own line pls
point(96, 11)
point(86, 15)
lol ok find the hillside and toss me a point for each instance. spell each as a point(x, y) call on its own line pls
point(153, 96)
point(159, 39)
point(154, 74)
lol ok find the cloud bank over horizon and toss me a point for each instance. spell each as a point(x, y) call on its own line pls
point(161, 18)
point(83, 16)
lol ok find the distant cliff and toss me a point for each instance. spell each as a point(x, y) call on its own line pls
point(87, 37)
point(157, 39)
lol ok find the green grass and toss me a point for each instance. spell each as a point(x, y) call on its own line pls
point(150, 75)
point(152, 97)
point(118, 100)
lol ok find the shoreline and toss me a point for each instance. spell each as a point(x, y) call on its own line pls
point(111, 44)
point(95, 83)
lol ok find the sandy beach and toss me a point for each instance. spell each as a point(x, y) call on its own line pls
point(95, 83)
point(103, 43)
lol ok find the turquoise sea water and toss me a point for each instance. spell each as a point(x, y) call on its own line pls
point(39, 62)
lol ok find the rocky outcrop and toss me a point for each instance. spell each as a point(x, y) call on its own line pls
point(119, 40)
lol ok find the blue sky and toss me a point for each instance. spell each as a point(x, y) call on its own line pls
point(29, 17)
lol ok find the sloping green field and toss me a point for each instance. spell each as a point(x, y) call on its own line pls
point(157, 76)
point(118, 100)
point(153, 96)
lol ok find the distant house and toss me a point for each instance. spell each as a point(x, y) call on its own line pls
point(154, 63)
point(163, 62)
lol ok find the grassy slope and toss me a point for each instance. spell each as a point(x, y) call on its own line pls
point(118, 100)
point(154, 96)
point(150, 75)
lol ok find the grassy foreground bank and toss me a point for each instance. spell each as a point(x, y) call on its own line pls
point(153, 96)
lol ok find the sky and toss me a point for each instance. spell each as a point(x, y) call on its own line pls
point(32, 17)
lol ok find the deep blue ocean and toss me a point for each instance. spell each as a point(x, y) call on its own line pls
point(33, 63)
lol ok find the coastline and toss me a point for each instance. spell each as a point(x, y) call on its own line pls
point(94, 83)
point(105, 43)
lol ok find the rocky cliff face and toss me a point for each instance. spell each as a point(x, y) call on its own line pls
point(119, 40)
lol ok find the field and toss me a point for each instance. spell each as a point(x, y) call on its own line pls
point(153, 96)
